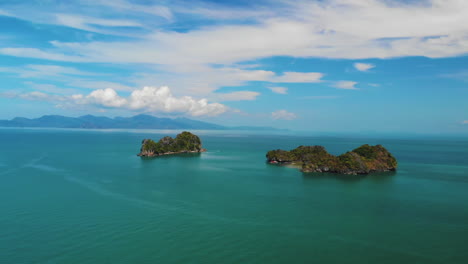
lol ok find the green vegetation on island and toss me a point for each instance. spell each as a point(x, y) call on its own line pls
point(184, 142)
point(362, 160)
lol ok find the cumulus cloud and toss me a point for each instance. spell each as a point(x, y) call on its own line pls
point(160, 99)
point(107, 97)
point(348, 85)
point(363, 66)
point(147, 99)
point(279, 90)
point(283, 114)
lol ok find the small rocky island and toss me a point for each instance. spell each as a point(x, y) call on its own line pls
point(184, 142)
point(363, 160)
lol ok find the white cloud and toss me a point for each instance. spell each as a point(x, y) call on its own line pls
point(363, 66)
point(50, 88)
point(39, 70)
point(152, 99)
point(40, 54)
point(348, 85)
point(219, 12)
point(283, 114)
point(203, 80)
point(126, 6)
point(300, 29)
point(89, 23)
point(94, 84)
point(279, 90)
point(68, 76)
point(110, 16)
point(107, 97)
point(298, 77)
point(236, 96)
point(200, 80)
point(147, 99)
point(33, 96)
point(373, 29)
point(40, 96)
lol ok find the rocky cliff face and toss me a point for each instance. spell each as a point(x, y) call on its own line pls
point(363, 160)
point(184, 142)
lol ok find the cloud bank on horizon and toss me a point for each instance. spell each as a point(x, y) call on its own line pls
point(205, 59)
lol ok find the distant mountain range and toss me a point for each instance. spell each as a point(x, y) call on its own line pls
point(135, 122)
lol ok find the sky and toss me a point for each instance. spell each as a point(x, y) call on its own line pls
point(323, 65)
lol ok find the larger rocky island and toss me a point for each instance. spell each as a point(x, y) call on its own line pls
point(184, 142)
point(362, 160)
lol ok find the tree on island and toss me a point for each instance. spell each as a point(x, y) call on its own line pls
point(183, 143)
point(362, 160)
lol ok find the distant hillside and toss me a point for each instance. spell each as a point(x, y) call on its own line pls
point(135, 122)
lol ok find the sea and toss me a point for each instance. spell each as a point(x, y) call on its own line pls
point(83, 196)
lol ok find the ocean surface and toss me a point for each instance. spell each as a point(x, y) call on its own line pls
point(83, 196)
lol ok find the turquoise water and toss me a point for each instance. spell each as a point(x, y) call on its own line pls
point(85, 197)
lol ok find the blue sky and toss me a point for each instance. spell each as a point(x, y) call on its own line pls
point(330, 65)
